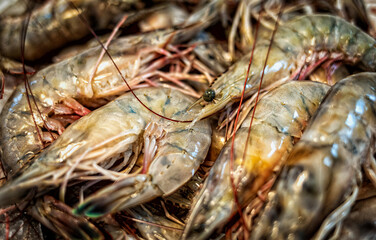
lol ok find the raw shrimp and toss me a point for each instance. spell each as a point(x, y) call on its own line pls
point(322, 175)
point(56, 23)
point(280, 119)
point(57, 87)
point(267, 12)
point(93, 145)
point(298, 45)
point(175, 161)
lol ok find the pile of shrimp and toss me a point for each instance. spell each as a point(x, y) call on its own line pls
point(210, 119)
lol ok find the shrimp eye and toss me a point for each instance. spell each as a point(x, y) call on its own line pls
point(209, 95)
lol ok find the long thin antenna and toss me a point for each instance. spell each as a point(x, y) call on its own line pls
point(84, 20)
point(232, 177)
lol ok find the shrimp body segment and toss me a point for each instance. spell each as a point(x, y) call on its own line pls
point(279, 119)
point(94, 144)
point(296, 41)
point(323, 173)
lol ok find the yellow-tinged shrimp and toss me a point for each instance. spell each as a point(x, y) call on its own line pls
point(323, 173)
point(94, 144)
point(279, 119)
point(299, 41)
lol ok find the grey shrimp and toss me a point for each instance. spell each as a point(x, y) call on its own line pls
point(322, 175)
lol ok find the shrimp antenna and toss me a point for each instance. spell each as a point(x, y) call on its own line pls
point(26, 79)
point(153, 224)
point(232, 177)
point(84, 20)
point(262, 77)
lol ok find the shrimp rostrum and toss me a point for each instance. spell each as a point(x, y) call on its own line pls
point(91, 147)
point(323, 173)
point(279, 119)
point(298, 46)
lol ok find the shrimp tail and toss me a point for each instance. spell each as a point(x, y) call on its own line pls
point(123, 194)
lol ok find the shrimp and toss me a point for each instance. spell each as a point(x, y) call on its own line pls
point(322, 175)
point(57, 88)
point(174, 163)
point(93, 145)
point(280, 118)
point(299, 44)
point(56, 23)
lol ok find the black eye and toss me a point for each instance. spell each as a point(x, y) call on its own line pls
point(209, 95)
